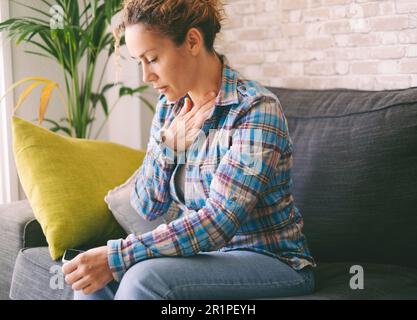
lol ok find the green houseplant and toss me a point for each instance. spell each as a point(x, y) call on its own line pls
point(69, 32)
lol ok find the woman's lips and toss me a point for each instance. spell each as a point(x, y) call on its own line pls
point(163, 89)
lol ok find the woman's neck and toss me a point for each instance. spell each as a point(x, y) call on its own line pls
point(209, 77)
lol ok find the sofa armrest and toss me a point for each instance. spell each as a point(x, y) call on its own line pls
point(15, 218)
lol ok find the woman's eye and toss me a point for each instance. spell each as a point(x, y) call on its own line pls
point(147, 62)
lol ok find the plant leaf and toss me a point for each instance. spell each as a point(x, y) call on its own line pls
point(140, 89)
point(58, 127)
point(38, 54)
point(90, 120)
point(65, 129)
point(128, 91)
point(45, 97)
point(148, 104)
point(32, 8)
point(109, 85)
point(42, 47)
point(25, 93)
point(17, 83)
point(103, 102)
point(47, 3)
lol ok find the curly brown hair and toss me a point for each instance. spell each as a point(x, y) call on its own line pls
point(173, 18)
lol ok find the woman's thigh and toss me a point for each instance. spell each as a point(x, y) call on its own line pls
point(211, 275)
point(214, 275)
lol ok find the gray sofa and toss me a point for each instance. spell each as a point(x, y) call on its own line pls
point(354, 180)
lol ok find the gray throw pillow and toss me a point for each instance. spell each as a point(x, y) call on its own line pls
point(118, 201)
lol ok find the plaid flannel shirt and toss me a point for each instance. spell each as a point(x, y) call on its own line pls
point(237, 184)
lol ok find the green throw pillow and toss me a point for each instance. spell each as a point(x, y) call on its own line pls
point(66, 179)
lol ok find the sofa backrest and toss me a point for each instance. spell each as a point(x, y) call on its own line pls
point(355, 172)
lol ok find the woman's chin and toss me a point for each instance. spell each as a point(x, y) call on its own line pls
point(171, 98)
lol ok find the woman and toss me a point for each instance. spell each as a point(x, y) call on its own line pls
point(232, 229)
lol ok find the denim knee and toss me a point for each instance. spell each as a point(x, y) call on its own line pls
point(142, 282)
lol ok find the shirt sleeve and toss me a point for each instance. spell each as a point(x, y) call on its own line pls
point(150, 196)
point(240, 177)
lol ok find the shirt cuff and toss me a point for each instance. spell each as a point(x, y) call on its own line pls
point(122, 254)
point(115, 259)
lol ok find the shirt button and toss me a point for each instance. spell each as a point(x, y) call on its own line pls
point(234, 198)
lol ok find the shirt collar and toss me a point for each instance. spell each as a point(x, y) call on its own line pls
point(228, 93)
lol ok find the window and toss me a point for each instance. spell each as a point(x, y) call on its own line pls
point(8, 175)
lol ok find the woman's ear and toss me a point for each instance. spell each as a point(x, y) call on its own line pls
point(194, 40)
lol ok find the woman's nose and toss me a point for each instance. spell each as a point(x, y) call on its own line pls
point(148, 76)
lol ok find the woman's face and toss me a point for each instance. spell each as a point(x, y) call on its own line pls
point(167, 67)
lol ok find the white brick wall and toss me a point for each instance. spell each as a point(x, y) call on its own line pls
point(318, 44)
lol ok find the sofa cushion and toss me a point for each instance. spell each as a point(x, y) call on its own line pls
point(37, 277)
point(379, 282)
point(32, 277)
point(355, 172)
point(66, 179)
point(118, 201)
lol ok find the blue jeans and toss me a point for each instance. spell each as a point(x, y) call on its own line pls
point(209, 275)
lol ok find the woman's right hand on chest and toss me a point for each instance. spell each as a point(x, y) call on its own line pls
point(182, 131)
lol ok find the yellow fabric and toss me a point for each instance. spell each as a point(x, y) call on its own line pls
point(66, 179)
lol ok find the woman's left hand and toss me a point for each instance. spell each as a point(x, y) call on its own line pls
point(89, 271)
